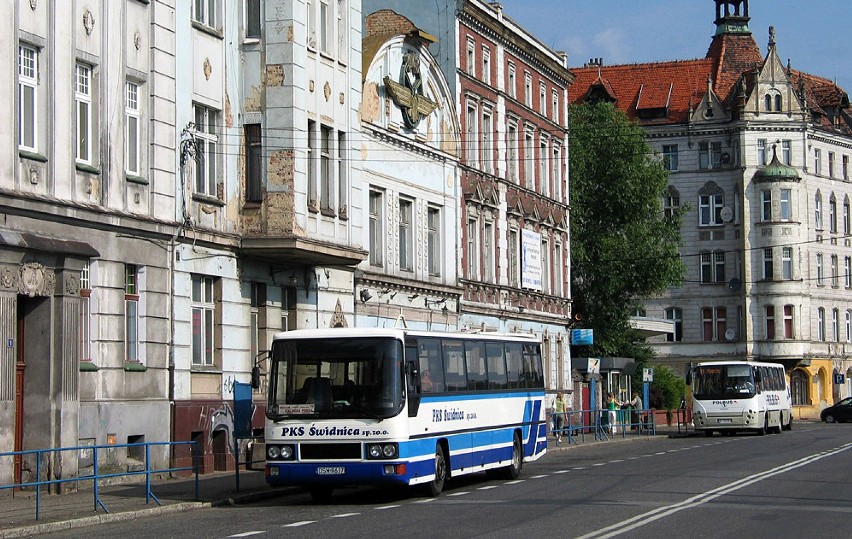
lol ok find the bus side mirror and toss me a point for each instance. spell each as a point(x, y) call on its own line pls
point(255, 378)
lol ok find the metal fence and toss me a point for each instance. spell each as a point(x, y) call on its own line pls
point(49, 456)
point(595, 423)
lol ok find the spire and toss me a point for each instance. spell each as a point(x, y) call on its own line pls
point(732, 17)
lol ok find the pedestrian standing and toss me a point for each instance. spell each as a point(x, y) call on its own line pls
point(637, 406)
point(559, 415)
point(612, 405)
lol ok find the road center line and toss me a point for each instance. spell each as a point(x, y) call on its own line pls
point(700, 499)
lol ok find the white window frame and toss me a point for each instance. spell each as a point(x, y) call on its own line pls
point(83, 112)
point(207, 12)
point(821, 324)
point(488, 249)
point(85, 348)
point(471, 57)
point(133, 128)
point(835, 325)
point(472, 129)
point(670, 157)
point(207, 142)
point(486, 65)
point(131, 313)
point(543, 168)
point(835, 271)
point(487, 132)
point(817, 161)
point(832, 214)
point(545, 265)
point(554, 106)
point(710, 209)
point(847, 272)
point(512, 81)
point(820, 271)
point(542, 99)
point(766, 205)
point(472, 246)
point(203, 320)
point(786, 206)
point(529, 159)
point(818, 211)
point(514, 258)
point(377, 227)
point(675, 314)
point(433, 241)
point(405, 223)
point(528, 89)
point(512, 145)
point(787, 263)
point(786, 152)
point(761, 152)
point(28, 97)
point(768, 267)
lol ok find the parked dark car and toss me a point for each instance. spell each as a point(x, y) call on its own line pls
point(842, 411)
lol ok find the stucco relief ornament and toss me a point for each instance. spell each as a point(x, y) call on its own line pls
point(208, 68)
point(408, 92)
point(137, 40)
point(8, 279)
point(72, 285)
point(33, 4)
point(36, 280)
point(88, 22)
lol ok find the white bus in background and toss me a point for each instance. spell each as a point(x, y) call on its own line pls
point(732, 396)
point(367, 406)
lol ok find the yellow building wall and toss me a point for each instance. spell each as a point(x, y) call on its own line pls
point(820, 384)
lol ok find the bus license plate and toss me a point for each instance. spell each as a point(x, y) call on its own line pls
point(331, 470)
point(723, 420)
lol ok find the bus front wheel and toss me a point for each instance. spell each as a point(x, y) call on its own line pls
point(434, 487)
point(513, 470)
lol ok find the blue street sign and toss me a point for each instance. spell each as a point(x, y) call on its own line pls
point(582, 337)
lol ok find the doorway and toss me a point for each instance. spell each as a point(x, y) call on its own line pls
point(20, 367)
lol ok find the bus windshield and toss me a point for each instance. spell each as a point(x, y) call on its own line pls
point(723, 382)
point(336, 378)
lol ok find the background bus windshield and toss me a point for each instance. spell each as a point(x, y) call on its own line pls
point(723, 382)
point(336, 378)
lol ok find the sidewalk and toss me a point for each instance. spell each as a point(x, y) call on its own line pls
point(127, 501)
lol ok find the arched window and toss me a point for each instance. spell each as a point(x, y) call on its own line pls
point(768, 102)
point(818, 210)
point(799, 387)
point(778, 103)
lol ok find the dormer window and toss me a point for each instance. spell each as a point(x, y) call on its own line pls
point(772, 99)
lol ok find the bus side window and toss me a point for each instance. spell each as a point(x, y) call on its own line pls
point(496, 366)
point(514, 366)
point(454, 374)
point(477, 377)
point(431, 365)
point(532, 366)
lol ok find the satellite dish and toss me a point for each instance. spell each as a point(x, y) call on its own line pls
point(730, 334)
point(727, 214)
point(734, 284)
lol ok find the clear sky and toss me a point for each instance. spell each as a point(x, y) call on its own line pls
point(813, 34)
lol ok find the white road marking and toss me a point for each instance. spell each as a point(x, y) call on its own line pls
point(246, 534)
point(515, 482)
point(459, 493)
point(562, 471)
point(344, 515)
point(700, 499)
point(387, 507)
point(297, 524)
point(487, 487)
point(538, 476)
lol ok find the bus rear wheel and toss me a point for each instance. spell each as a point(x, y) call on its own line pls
point(436, 485)
point(513, 470)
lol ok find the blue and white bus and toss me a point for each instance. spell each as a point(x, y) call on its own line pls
point(731, 396)
point(392, 406)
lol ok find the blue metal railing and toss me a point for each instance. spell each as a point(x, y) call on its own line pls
point(579, 423)
point(96, 474)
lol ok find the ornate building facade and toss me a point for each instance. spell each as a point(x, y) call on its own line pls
point(759, 154)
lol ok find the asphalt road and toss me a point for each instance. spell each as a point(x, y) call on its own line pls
point(794, 484)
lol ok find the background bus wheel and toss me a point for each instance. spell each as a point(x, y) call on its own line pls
point(761, 431)
point(321, 494)
point(435, 487)
point(789, 425)
point(513, 470)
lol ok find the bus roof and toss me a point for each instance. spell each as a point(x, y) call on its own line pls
point(738, 362)
point(399, 333)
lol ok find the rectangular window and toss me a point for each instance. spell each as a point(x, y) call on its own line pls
point(342, 174)
point(342, 31)
point(832, 214)
point(675, 314)
point(545, 267)
point(326, 174)
point(27, 102)
point(132, 136)
point(766, 205)
point(558, 264)
point(488, 252)
point(313, 187)
point(512, 152)
point(376, 228)
point(845, 165)
point(786, 213)
point(257, 320)
point(472, 136)
point(207, 141)
point(821, 324)
point(486, 65)
point(709, 155)
point(542, 99)
point(819, 270)
point(312, 24)
point(324, 26)
point(85, 348)
point(770, 322)
point(847, 272)
point(514, 259)
point(471, 58)
point(472, 248)
point(543, 167)
point(767, 264)
point(206, 12)
point(554, 106)
point(254, 14)
point(406, 232)
point(707, 324)
point(830, 164)
point(556, 172)
point(487, 141)
point(787, 263)
point(761, 152)
point(528, 90)
point(835, 271)
point(710, 209)
point(817, 161)
point(786, 152)
point(512, 83)
point(788, 321)
point(83, 106)
point(529, 160)
point(131, 313)
point(253, 163)
point(202, 320)
point(847, 223)
point(670, 157)
point(433, 240)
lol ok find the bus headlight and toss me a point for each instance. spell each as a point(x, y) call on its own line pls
point(280, 452)
point(382, 451)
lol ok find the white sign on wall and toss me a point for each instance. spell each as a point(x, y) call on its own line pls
point(530, 259)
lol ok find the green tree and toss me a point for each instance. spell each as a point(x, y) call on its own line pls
point(623, 246)
point(667, 390)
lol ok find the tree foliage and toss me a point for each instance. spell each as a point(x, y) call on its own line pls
point(623, 247)
point(667, 390)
